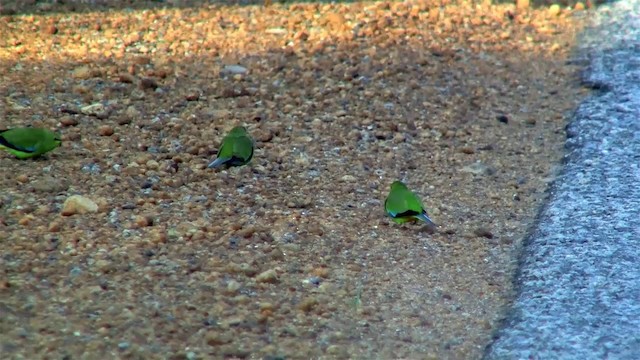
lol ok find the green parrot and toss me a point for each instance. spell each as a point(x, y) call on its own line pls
point(403, 205)
point(28, 142)
point(236, 149)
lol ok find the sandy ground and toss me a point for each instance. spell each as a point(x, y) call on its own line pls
point(292, 256)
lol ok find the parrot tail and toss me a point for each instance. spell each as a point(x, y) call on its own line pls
point(426, 219)
point(217, 162)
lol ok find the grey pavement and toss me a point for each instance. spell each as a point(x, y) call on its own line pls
point(579, 278)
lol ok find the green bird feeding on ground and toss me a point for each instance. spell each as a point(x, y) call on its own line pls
point(27, 142)
point(236, 149)
point(402, 205)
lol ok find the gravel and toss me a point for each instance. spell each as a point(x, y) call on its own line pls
point(290, 256)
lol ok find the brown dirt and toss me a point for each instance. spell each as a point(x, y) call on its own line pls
point(292, 256)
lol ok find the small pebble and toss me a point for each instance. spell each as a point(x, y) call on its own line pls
point(234, 69)
point(483, 232)
point(68, 121)
point(308, 304)
point(478, 168)
point(105, 130)
point(25, 220)
point(54, 226)
point(126, 78)
point(78, 204)
point(269, 276)
point(148, 83)
point(467, 150)
point(233, 287)
point(93, 109)
point(522, 4)
point(82, 72)
point(322, 272)
point(50, 29)
point(144, 221)
point(50, 184)
point(75, 271)
point(193, 95)
point(216, 339)
point(348, 178)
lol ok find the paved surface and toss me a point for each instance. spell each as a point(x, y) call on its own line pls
point(579, 284)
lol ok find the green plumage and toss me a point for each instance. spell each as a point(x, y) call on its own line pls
point(236, 149)
point(26, 143)
point(402, 205)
